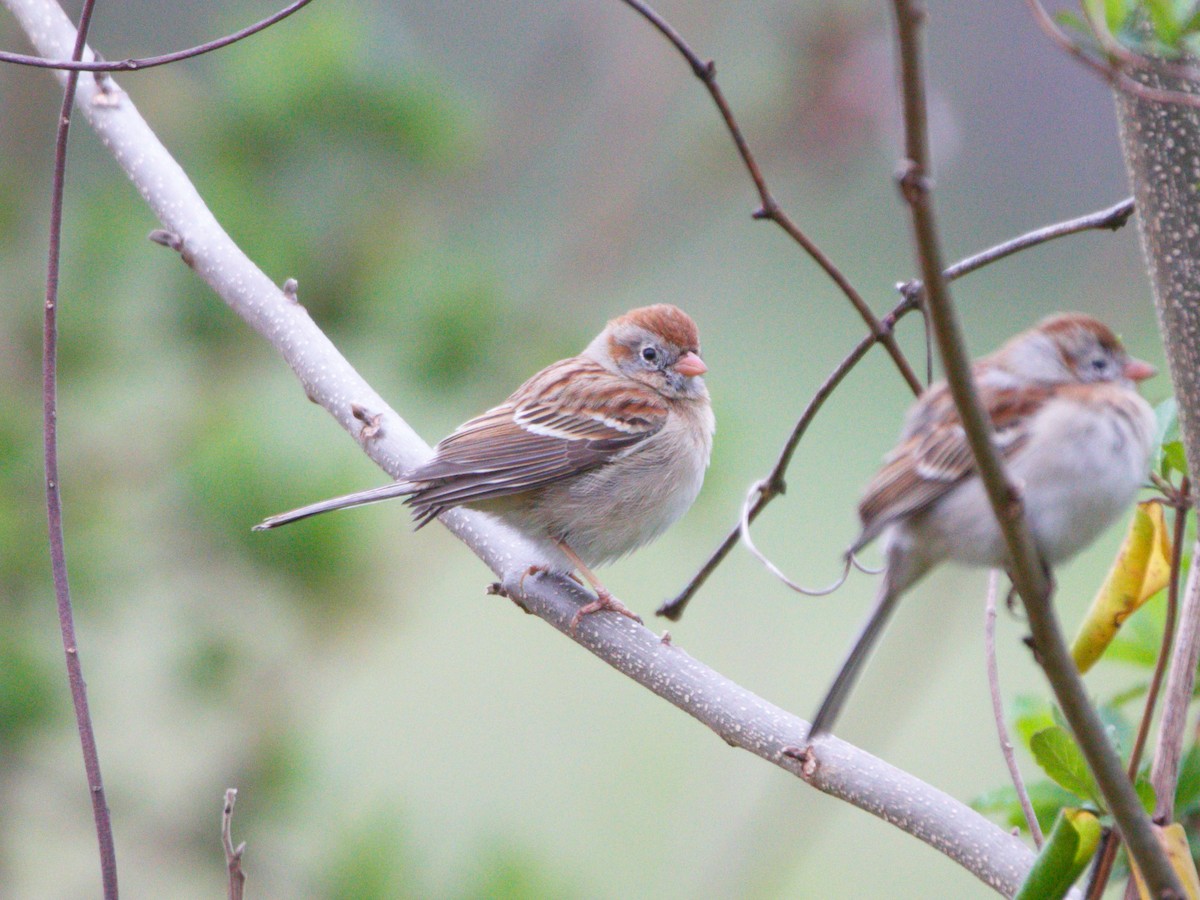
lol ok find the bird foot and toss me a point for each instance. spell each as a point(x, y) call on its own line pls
point(604, 602)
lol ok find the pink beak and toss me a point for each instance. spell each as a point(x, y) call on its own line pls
point(1136, 370)
point(690, 364)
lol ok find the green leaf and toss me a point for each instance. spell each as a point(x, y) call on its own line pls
point(1145, 792)
point(1192, 24)
point(1115, 14)
point(1064, 856)
point(1140, 639)
point(1031, 714)
point(1061, 759)
point(1166, 417)
point(1188, 790)
point(1071, 22)
point(1173, 458)
point(1046, 797)
point(1167, 27)
point(1117, 726)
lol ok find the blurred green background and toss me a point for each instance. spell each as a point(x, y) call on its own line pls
point(467, 192)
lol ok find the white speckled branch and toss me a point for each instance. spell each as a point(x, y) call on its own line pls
point(1161, 144)
point(740, 717)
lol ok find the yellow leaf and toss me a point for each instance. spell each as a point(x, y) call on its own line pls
point(1174, 841)
point(1140, 571)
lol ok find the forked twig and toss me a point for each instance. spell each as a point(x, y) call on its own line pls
point(1110, 218)
point(769, 207)
point(149, 62)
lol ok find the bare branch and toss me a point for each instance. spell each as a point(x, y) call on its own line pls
point(149, 62)
point(769, 207)
point(1110, 218)
point(1027, 570)
point(738, 716)
point(1164, 774)
point(58, 557)
point(233, 855)
point(1006, 745)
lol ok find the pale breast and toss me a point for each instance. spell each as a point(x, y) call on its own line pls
point(620, 506)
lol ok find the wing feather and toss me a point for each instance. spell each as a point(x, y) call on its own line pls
point(569, 418)
point(933, 455)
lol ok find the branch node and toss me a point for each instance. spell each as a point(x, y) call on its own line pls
point(804, 756)
point(107, 95)
point(167, 239)
point(665, 640)
point(233, 855)
point(914, 184)
point(291, 288)
point(769, 210)
point(371, 422)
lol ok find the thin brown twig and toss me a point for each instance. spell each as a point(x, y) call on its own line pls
point(1164, 773)
point(1108, 71)
point(58, 556)
point(769, 207)
point(1108, 854)
point(1028, 571)
point(149, 62)
point(1006, 745)
point(1110, 218)
point(233, 855)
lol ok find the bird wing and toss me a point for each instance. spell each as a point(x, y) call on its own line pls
point(933, 454)
point(567, 419)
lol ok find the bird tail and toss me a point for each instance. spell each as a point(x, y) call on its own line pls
point(361, 498)
point(839, 691)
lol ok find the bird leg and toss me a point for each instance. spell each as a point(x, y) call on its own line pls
point(604, 600)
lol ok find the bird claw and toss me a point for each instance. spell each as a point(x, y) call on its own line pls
point(604, 602)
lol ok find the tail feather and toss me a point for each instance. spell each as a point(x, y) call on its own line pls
point(360, 498)
point(839, 691)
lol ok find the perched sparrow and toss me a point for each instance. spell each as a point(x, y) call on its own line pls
point(1075, 437)
point(592, 457)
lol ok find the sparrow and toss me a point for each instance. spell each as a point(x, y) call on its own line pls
point(1074, 435)
point(591, 458)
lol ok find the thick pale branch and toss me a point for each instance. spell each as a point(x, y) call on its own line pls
point(1161, 145)
point(738, 716)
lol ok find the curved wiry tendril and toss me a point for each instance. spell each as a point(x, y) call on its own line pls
point(862, 567)
point(751, 495)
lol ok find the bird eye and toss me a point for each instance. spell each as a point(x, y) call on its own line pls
point(1100, 363)
point(649, 354)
